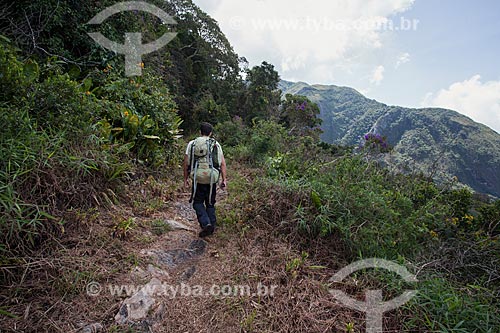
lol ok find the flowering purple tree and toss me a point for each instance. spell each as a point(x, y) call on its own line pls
point(376, 142)
point(300, 116)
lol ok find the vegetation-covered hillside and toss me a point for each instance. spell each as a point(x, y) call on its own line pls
point(90, 166)
point(437, 142)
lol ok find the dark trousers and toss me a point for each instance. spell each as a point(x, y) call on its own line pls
point(204, 207)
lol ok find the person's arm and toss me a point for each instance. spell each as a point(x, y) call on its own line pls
point(223, 172)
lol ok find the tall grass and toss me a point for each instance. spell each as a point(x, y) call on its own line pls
point(449, 238)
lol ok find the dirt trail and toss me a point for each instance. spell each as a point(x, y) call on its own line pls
point(189, 275)
point(236, 280)
point(244, 278)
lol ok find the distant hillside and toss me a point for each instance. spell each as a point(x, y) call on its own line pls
point(436, 141)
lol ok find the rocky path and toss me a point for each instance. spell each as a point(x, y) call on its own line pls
point(241, 279)
point(169, 264)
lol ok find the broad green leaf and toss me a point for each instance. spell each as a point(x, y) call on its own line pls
point(31, 70)
point(74, 72)
point(87, 84)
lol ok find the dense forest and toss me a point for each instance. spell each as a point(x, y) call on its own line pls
point(79, 140)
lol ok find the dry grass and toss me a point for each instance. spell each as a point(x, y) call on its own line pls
point(46, 291)
point(300, 303)
point(48, 294)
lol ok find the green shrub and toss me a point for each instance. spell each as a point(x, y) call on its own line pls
point(207, 110)
point(267, 138)
point(442, 307)
point(489, 218)
point(358, 201)
point(140, 115)
point(16, 75)
point(231, 132)
point(53, 156)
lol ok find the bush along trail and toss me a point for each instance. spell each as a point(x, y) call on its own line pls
point(97, 234)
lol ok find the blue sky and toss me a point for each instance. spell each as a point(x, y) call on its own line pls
point(455, 40)
point(446, 55)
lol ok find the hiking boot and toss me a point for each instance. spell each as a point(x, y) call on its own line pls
point(207, 230)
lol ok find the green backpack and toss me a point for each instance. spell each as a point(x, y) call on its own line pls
point(204, 163)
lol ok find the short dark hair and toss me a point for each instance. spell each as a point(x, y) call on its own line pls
point(206, 128)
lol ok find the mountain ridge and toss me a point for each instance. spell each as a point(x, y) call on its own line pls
point(434, 141)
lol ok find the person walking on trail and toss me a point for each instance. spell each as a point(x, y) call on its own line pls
point(204, 162)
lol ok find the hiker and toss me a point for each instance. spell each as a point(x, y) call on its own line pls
point(204, 162)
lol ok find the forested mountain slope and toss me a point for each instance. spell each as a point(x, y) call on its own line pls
point(438, 142)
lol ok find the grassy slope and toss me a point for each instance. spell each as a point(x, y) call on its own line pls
point(105, 246)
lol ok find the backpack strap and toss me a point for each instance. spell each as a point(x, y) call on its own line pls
point(195, 182)
point(215, 155)
point(191, 156)
point(210, 146)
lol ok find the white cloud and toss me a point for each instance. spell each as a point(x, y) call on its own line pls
point(477, 100)
point(208, 5)
point(293, 62)
point(378, 75)
point(403, 59)
point(307, 41)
